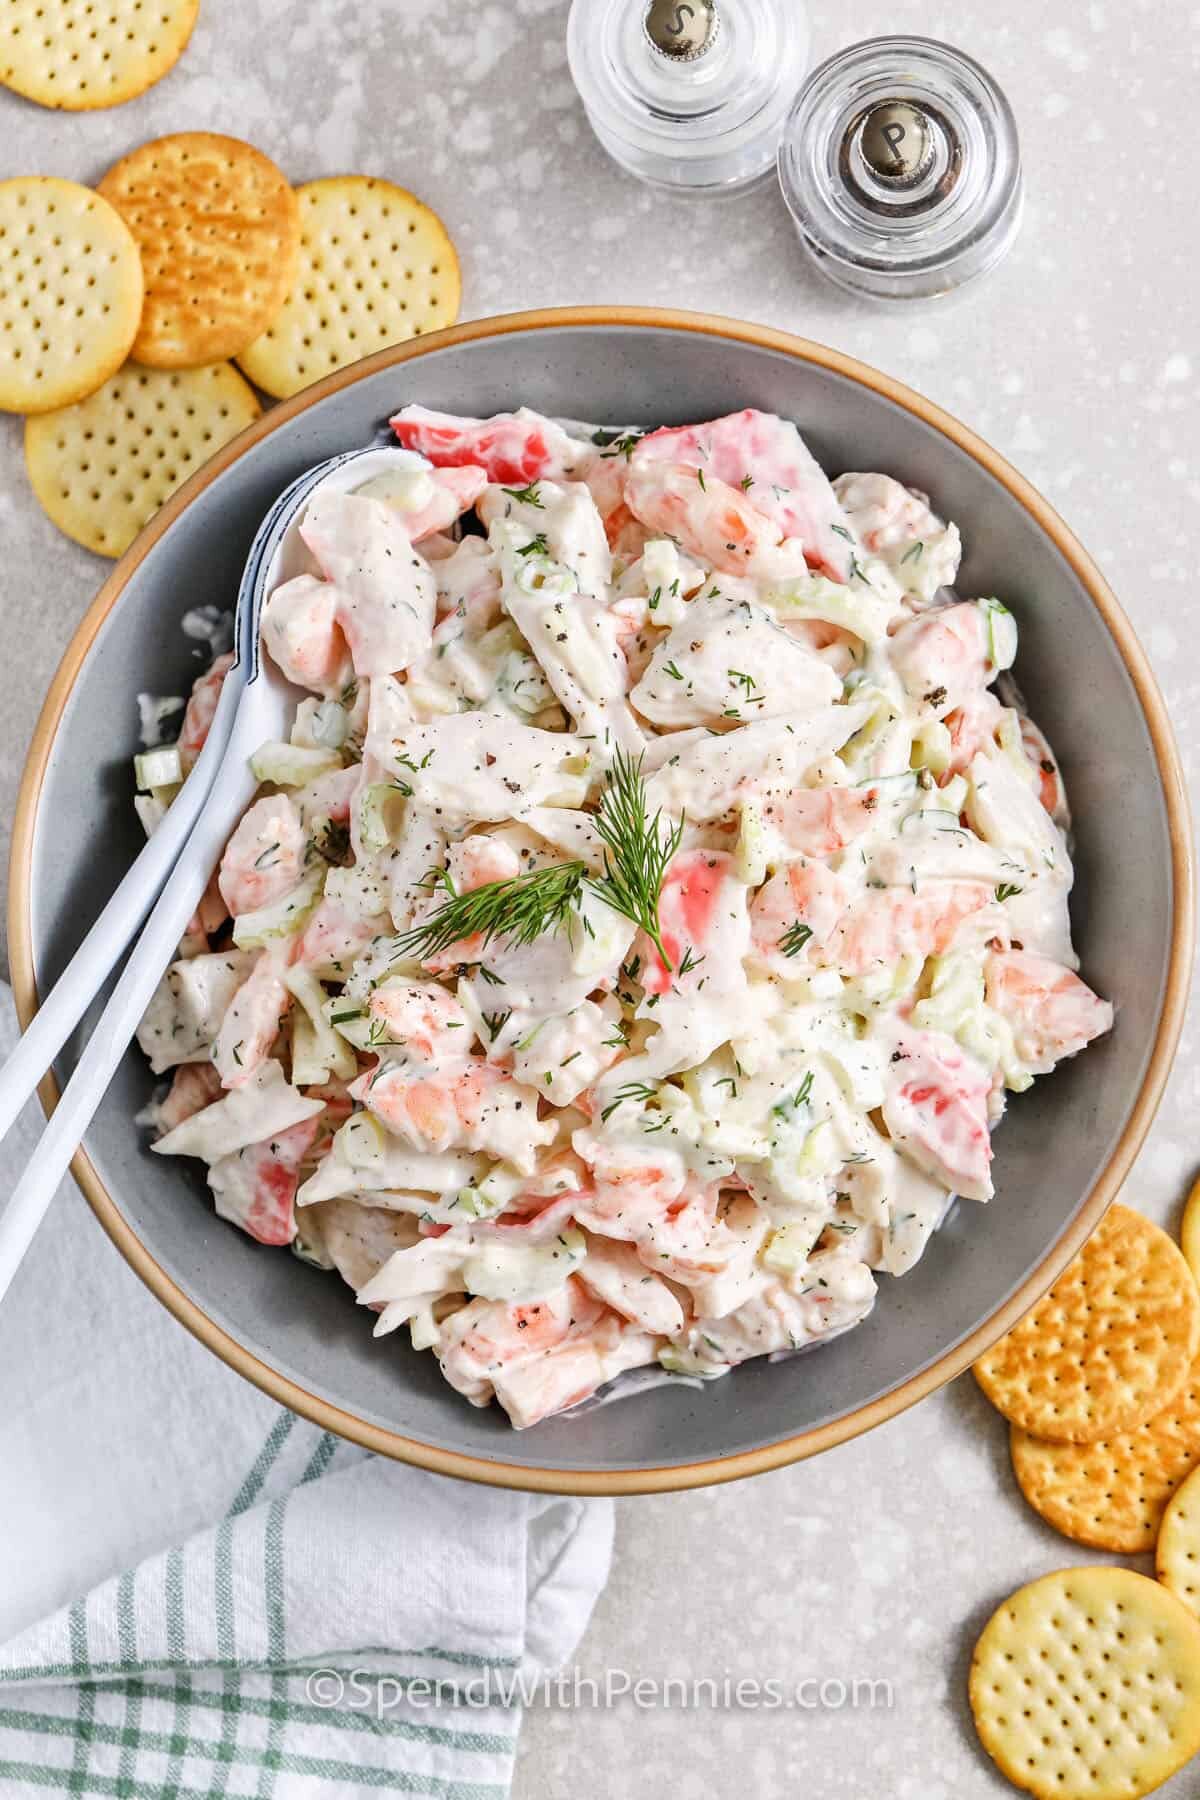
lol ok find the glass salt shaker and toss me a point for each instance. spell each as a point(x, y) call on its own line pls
point(901, 168)
point(689, 95)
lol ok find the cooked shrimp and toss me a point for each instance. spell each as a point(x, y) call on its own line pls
point(489, 1336)
point(937, 1111)
point(633, 1185)
point(544, 1385)
point(422, 1018)
point(766, 457)
point(540, 1358)
point(301, 631)
point(886, 514)
point(708, 1247)
point(467, 1105)
point(942, 657)
point(1044, 765)
point(209, 916)
point(822, 821)
point(972, 726)
point(1052, 1012)
point(201, 709)
point(334, 936)
point(476, 860)
point(712, 521)
point(385, 593)
point(799, 906)
point(264, 859)
point(884, 924)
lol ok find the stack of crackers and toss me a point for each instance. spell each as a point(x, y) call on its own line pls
point(1086, 1684)
point(124, 309)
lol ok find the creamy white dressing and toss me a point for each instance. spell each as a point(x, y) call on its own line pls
point(861, 942)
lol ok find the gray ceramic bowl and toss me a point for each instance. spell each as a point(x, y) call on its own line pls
point(1063, 1149)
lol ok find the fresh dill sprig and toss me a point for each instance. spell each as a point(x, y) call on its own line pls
point(521, 910)
point(637, 850)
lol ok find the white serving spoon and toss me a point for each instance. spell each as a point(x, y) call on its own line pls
point(169, 877)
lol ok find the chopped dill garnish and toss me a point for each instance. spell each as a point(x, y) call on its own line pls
point(632, 1090)
point(528, 496)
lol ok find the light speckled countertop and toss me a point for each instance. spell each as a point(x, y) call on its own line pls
point(1079, 359)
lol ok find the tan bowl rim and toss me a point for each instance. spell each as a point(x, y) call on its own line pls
point(772, 1456)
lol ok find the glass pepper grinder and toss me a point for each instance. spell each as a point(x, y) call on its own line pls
point(901, 168)
point(689, 95)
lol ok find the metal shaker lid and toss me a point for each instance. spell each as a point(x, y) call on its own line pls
point(690, 95)
point(901, 168)
point(682, 29)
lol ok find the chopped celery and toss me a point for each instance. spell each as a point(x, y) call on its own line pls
point(750, 853)
point(291, 765)
point(282, 917)
point(158, 768)
point(1002, 634)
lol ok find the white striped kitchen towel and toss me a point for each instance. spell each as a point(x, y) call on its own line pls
point(326, 1624)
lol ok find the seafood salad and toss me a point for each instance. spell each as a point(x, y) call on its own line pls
point(629, 955)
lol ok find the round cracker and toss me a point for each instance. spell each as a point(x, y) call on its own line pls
point(1189, 1231)
point(1085, 1685)
point(218, 227)
point(376, 267)
point(1108, 1347)
point(1177, 1558)
point(102, 468)
point(70, 292)
point(1112, 1495)
point(75, 55)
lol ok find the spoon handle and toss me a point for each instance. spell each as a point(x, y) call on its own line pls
point(102, 948)
point(226, 799)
